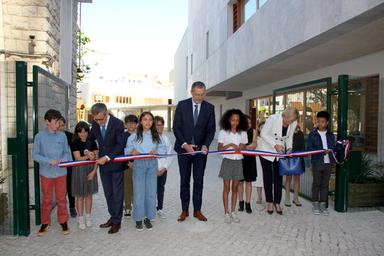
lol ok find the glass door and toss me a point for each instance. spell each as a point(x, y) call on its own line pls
point(357, 120)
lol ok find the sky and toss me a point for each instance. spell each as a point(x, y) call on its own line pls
point(133, 36)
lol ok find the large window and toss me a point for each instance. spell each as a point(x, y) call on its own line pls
point(260, 109)
point(308, 99)
point(242, 10)
point(250, 7)
point(363, 109)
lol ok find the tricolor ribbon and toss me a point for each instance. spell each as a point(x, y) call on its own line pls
point(126, 158)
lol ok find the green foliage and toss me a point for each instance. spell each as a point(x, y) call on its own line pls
point(82, 41)
point(370, 172)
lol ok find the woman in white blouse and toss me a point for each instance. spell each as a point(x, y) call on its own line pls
point(277, 135)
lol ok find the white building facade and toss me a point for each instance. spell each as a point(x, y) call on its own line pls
point(128, 94)
point(253, 53)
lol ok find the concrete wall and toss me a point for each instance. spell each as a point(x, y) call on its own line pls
point(363, 66)
point(273, 29)
point(180, 72)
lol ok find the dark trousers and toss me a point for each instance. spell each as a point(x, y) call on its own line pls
point(161, 180)
point(113, 185)
point(320, 186)
point(71, 199)
point(271, 176)
point(187, 165)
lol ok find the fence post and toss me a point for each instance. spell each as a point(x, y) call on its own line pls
point(341, 191)
point(18, 148)
point(35, 121)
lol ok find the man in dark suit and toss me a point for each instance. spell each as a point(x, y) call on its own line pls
point(108, 131)
point(194, 127)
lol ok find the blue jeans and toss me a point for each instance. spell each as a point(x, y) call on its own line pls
point(144, 189)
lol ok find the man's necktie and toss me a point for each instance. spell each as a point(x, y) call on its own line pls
point(103, 131)
point(195, 115)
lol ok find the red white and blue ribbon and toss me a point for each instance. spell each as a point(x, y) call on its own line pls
point(126, 158)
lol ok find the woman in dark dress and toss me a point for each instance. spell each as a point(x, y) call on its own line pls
point(84, 177)
point(298, 145)
point(249, 170)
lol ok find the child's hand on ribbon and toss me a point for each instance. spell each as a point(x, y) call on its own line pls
point(54, 162)
point(134, 152)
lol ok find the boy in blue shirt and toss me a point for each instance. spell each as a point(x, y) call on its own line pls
point(50, 147)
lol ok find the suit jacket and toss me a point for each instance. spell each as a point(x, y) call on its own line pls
point(112, 145)
point(204, 131)
point(271, 134)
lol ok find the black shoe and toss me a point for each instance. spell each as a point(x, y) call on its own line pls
point(280, 212)
point(127, 213)
point(148, 224)
point(241, 206)
point(248, 207)
point(107, 224)
point(139, 226)
point(73, 212)
point(44, 228)
point(64, 227)
point(114, 228)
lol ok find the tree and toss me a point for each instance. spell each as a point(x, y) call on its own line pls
point(82, 68)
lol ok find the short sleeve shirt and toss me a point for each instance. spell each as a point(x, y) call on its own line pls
point(228, 137)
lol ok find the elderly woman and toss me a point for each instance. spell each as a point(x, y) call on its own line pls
point(277, 136)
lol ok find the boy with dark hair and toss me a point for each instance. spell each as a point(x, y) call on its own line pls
point(130, 124)
point(50, 147)
point(71, 199)
point(321, 164)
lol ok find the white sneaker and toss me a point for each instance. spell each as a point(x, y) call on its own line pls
point(323, 209)
point(316, 208)
point(227, 218)
point(81, 223)
point(234, 217)
point(88, 221)
point(161, 214)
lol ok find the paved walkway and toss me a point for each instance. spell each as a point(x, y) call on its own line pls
point(297, 232)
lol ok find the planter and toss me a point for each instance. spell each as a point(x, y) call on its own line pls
point(368, 194)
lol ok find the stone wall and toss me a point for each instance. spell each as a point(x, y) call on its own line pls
point(38, 18)
point(21, 19)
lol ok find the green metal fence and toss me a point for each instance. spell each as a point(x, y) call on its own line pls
point(48, 92)
point(308, 98)
point(32, 100)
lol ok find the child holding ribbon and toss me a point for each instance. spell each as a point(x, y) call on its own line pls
point(84, 177)
point(146, 140)
point(232, 136)
point(321, 138)
point(50, 147)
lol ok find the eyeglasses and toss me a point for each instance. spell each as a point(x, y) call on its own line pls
point(100, 119)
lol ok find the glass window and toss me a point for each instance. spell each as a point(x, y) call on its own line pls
point(250, 7)
point(316, 102)
point(260, 109)
point(296, 100)
point(356, 112)
point(307, 101)
point(262, 2)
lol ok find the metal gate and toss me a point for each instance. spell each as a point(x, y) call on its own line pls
point(33, 99)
